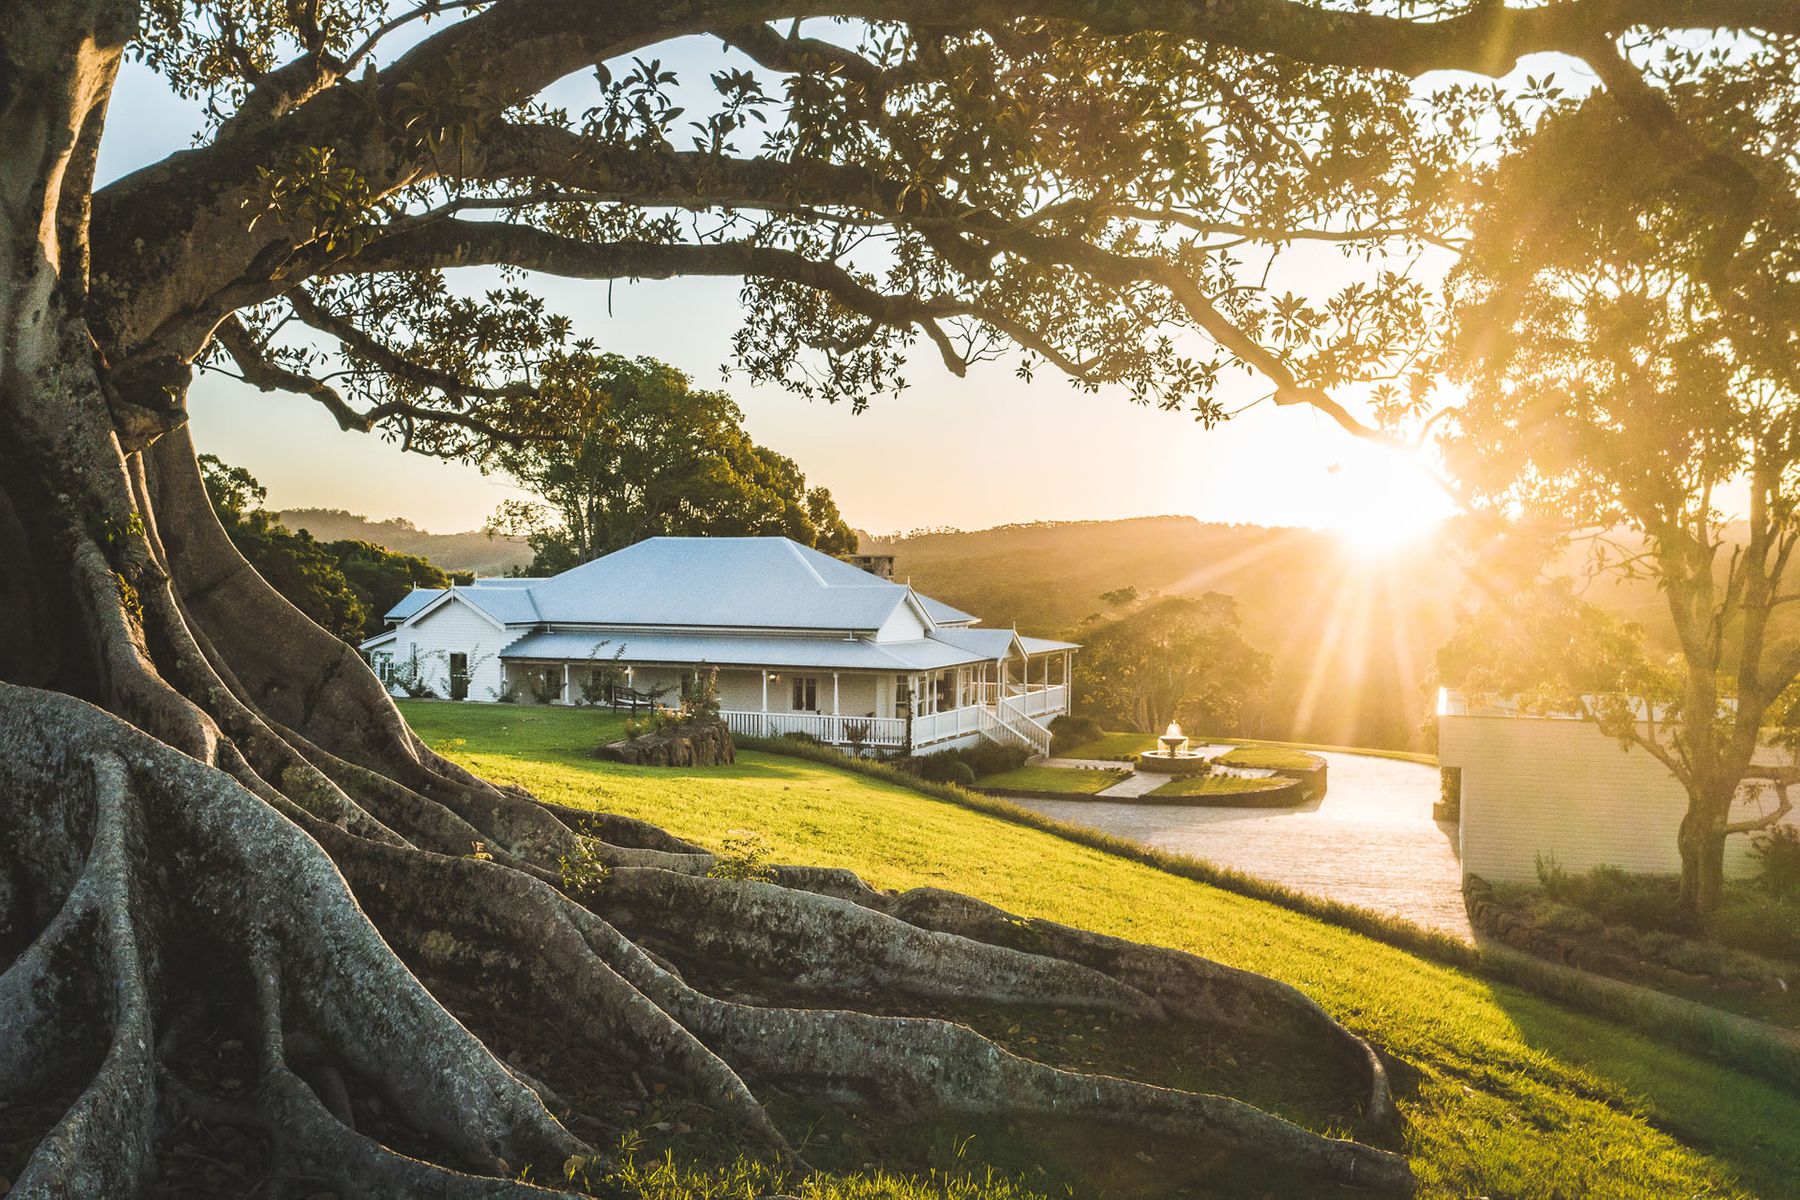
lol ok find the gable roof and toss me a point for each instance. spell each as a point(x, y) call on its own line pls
point(746, 583)
point(985, 643)
point(943, 614)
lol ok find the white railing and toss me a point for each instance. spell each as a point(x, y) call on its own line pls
point(1028, 734)
point(1039, 698)
point(1040, 701)
point(886, 732)
point(1013, 714)
point(931, 728)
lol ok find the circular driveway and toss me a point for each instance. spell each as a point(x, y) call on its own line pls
point(1370, 842)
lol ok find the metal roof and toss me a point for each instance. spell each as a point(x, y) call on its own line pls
point(943, 614)
point(983, 643)
point(726, 649)
point(744, 583)
point(1045, 645)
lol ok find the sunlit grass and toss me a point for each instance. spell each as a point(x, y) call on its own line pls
point(1072, 781)
point(1505, 1093)
point(1218, 785)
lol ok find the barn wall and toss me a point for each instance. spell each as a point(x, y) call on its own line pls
point(1562, 789)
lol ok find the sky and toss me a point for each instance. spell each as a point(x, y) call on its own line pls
point(974, 452)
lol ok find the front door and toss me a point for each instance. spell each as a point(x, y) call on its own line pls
point(459, 676)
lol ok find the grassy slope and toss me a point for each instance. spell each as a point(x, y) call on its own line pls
point(1062, 780)
point(1508, 1094)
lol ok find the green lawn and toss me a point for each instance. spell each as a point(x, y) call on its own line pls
point(1269, 758)
point(1122, 746)
point(1505, 1093)
point(1218, 785)
point(1061, 780)
point(1117, 747)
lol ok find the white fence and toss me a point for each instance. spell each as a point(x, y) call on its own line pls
point(885, 732)
point(931, 728)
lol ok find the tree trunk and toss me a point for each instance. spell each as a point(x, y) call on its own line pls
point(237, 892)
point(1702, 843)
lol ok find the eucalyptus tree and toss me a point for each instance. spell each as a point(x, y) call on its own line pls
point(1627, 312)
point(210, 812)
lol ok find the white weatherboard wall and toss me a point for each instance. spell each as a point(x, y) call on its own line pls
point(455, 627)
point(1563, 790)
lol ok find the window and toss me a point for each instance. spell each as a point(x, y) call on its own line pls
point(946, 693)
point(806, 694)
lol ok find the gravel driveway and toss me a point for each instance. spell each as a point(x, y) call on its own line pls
point(1370, 842)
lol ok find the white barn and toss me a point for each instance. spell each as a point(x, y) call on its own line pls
point(801, 641)
point(1557, 787)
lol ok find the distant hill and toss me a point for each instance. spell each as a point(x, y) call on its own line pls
point(1354, 639)
point(473, 551)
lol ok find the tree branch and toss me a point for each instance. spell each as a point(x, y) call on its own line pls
point(262, 372)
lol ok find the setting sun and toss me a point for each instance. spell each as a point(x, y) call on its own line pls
point(1381, 499)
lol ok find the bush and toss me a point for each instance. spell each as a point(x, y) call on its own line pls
point(961, 774)
point(1619, 897)
point(941, 767)
point(1778, 850)
point(1069, 731)
point(991, 758)
point(1754, 920)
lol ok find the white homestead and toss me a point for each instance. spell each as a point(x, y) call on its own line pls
point(801, 642)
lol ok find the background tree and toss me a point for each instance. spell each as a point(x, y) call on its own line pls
point(381, 578)
point(346, 586)
point(302, 570)
point(194, 772)
point(650, 456)
point(1626, 339)
point(1171, 658)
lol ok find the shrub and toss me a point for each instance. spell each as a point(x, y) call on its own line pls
point(1778, 850)
point(805, 739)
point(1752, 919)
point(744, 856)
point(1619, 897)
point(940, 768)
point(991, 758)
point(961, 774)
point(1069, 731)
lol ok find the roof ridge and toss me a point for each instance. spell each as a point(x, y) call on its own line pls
point(793, 548)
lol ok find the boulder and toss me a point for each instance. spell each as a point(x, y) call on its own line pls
point(698, 743)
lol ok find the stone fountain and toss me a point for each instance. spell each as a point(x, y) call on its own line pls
point(1172, 756)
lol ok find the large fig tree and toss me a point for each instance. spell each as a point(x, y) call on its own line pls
point(218, 839)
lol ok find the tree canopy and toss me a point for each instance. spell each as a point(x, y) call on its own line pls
point(1625, 337)
point(1169, 658)
point(346, 585)
point(650, 456)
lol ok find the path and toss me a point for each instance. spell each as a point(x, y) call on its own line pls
point(1370, 842)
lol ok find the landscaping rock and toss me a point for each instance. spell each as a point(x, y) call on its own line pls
point(700, 743)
